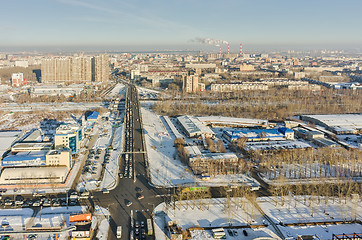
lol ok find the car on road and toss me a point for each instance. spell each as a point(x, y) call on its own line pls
point(142, 224)
point(37, 203)
point(230, 233)
point(140, 196)
point(245, 232)
point(128, 203)
point(138, 189)
point(105, 191)
point(137, 224)
point(46, 203)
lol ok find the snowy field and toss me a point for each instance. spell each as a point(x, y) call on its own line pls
point(304, 209)
point(241, 213)
point(165, 167)
point(213, 213)
point(324, 232)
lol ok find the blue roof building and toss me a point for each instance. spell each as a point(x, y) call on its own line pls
point(259, 134)
point(25, 159)
point(92, 116)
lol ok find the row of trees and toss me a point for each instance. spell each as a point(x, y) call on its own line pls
point(311, 163)
point(319, 195)
point(271, 104)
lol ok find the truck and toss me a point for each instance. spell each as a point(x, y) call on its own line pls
point(119, 231)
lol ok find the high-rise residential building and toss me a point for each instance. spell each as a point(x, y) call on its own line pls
point(76, 69)
point(56, 69)
point(191, 83)
point(101, 64)
point(83, 69)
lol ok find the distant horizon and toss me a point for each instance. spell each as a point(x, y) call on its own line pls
point(247, 48)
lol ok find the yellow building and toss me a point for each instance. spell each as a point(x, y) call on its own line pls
point(58, 158)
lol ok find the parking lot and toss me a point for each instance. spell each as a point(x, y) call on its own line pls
point(72, 198)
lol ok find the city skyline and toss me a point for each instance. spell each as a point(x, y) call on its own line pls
point(160, 25)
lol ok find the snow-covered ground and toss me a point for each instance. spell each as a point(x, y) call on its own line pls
point(165, 167)
point(215, 213)
point(264, 233)
point(301, 209)
point(118, 89)
point(211, 213)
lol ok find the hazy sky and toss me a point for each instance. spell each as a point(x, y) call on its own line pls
point(174, 23)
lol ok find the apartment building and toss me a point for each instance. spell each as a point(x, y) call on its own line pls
point(75, 69)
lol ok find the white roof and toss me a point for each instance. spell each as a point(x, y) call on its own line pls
point(231, 120)
point(347, 121)
point(33, 172)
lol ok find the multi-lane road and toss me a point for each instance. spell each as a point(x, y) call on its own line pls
point(133, 178)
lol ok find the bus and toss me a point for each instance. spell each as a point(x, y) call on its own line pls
point(149, 227)
point(218, 233)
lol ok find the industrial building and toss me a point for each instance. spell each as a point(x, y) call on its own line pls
point(307, 133)
point(337, 123)
point(55, 90)
point(24, 159)
point(8, 139)
point(33, 175)
point(31, 147)
point(38, 158)
point(200, 65)
point(213, 163)
point(270, 146)
point(230, 87)
point(193, 127)
point(282, 133)
point(233, 122)
point(68, 136)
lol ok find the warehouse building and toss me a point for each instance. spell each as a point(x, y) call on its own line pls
point(193, 127)
point(337, 123)
point(7, 139)
point(38, 158)
point(25, 159)
point(31, 147)
point(282, 133)
point(231, 87)
point(213, 163)
point(233, 122)
point(33, 175)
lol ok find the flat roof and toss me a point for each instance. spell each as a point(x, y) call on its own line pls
point(347, 121)
point(231, 120)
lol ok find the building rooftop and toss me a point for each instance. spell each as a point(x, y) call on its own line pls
point(348, 121)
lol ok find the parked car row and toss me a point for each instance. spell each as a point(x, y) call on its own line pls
point(19, 201)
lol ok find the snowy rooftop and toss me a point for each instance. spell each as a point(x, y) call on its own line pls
point(348, 121)
point(193, 125)
point(231, 120)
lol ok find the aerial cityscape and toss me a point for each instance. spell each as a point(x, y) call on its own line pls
point(174, 120)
